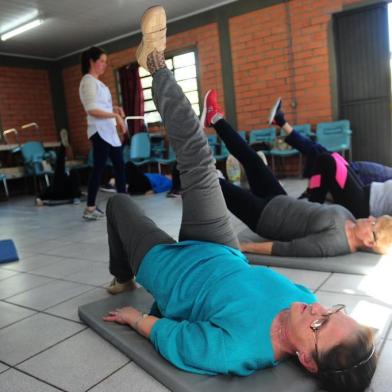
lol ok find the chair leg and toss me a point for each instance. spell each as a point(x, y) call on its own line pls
point(273, 164)
point(300, 166)
point(6, 187)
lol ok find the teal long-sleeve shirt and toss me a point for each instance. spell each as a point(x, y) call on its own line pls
point(217, 309)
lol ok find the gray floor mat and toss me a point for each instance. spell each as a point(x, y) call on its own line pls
point(288, 376)
point(361, 263)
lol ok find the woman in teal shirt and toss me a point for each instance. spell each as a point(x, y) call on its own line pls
point(215, 313)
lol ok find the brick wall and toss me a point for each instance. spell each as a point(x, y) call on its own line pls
point(25, 97)
point(270, 59)
point(205, 39)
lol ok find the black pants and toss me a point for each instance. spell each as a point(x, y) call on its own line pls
point(137, 182)
point(354, 195)
point(245, 205)
point(64, 186)
point(101, 151)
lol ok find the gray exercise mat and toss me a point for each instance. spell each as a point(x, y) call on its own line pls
point(288, 376)
point(361, 263)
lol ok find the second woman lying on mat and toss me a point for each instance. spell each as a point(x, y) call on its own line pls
point(293, 227)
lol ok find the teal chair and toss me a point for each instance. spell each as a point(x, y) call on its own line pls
point(266, 135)
point(306, 131)
point(34, 155)
point(243, 134)
point(335, 136)
point(224, 152)
point(140, 151)
point(213, 142)
point(171, 158)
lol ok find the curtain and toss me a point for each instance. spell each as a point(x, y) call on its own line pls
point(132, 96)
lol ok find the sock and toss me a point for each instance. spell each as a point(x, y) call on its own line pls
point(216, 117)
point(155, 61)
point(279, 118)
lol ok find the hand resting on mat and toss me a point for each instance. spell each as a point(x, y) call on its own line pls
point(140, 322)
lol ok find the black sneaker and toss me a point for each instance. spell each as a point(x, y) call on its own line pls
point(174, 193)
point(108, 188)
point(274, 111)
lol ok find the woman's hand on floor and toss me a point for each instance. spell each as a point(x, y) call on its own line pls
point(126, 316)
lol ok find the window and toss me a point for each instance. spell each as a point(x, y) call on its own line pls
point(184, 69)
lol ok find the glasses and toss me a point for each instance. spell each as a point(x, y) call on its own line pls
point(317, 324)
point(373, 232)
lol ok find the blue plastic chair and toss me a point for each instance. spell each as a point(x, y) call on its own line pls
point(224, 152)
point(266, 135)
point(33, 154)
point(140, 151)
point(335, 136)
point(171, 158)
point(304, 130)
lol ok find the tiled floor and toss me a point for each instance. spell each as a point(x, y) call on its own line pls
point(63, 264)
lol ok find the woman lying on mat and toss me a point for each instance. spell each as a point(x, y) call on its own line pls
point(361, 193)
point(65, 185)
point(217, 314)
point(366, 171)
point(140, 183)
point(294, 227)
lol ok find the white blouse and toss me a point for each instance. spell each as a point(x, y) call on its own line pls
point(96, 95)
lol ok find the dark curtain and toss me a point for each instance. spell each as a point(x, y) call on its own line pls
point(132, 96)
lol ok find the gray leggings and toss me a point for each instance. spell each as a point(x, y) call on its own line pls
point(204, 217)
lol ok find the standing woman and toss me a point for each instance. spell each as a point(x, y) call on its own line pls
point(102, 119)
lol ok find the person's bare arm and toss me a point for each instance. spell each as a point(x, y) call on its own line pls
point(98, 113)
point(263, 248)
point(128, 315)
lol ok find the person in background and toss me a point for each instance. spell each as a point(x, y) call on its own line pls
point(366, 172)
point(292, 227)
point(102, 120)
point(140, 183)
point(65, 183)
point(332, 173)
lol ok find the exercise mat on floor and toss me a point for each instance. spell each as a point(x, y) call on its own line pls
point(288, 376)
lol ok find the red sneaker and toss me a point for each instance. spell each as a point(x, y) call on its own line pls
point(274, 111)
point(210, 108)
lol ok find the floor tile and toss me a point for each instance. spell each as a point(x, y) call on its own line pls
point(86, 357)
point(6, 273)
point(96, 274)
point(62, 268)
point(33, 262)
point(14, 381)
point(30, 336)
point(69, 309)
point(48, 295)
point(97, 252)
point(309, 279)
point(11, 313)
point(130, 374)
point(374, 285)
point(20, 283)
point(3, 368)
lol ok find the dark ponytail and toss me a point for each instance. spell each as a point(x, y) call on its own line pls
point(94, 53)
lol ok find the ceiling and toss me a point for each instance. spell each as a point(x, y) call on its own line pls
point(73, 25)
